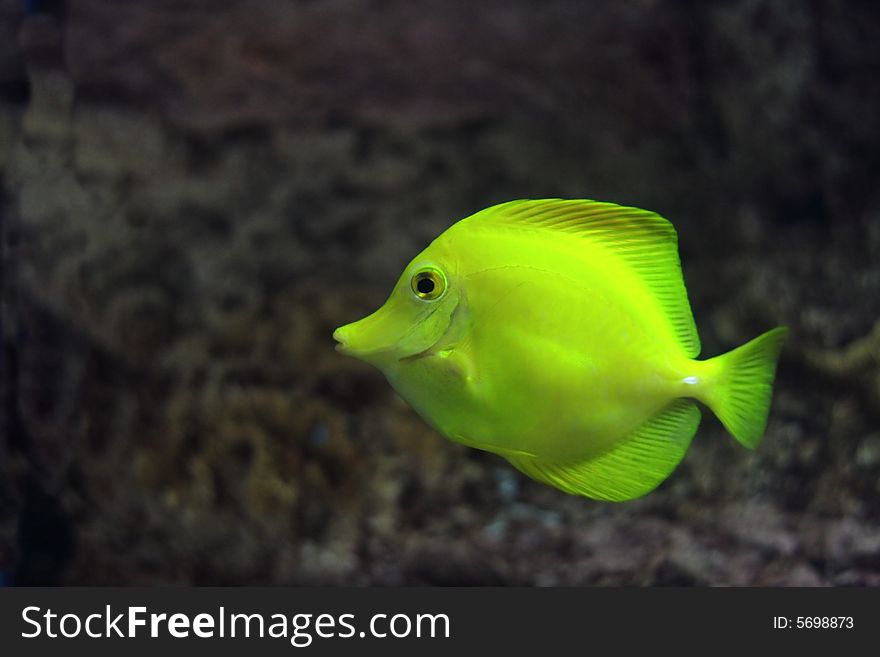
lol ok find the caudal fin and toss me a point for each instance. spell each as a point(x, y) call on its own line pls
point(741, 394)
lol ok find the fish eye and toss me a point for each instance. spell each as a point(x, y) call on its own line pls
point(428, 284)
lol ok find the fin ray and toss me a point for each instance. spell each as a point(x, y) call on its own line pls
point(633, 468)
point(742, 394)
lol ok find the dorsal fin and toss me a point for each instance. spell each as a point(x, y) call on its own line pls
point(644, 240)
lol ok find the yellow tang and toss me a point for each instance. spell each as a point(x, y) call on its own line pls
point(558, 334)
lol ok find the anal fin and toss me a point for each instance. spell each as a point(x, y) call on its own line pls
point(635, 467)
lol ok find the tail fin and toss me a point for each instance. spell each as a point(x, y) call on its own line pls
point(741, 394)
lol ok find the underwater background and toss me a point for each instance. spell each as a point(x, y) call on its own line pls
point(194, 194)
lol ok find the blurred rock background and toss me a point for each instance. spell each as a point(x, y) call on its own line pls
point(194, 194)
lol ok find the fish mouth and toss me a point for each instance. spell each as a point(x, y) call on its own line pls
point(339, 336)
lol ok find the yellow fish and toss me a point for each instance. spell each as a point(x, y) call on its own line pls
point(558, 334)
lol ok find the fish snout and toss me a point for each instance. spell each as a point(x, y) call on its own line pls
point(365, 339)
point(372, 339)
